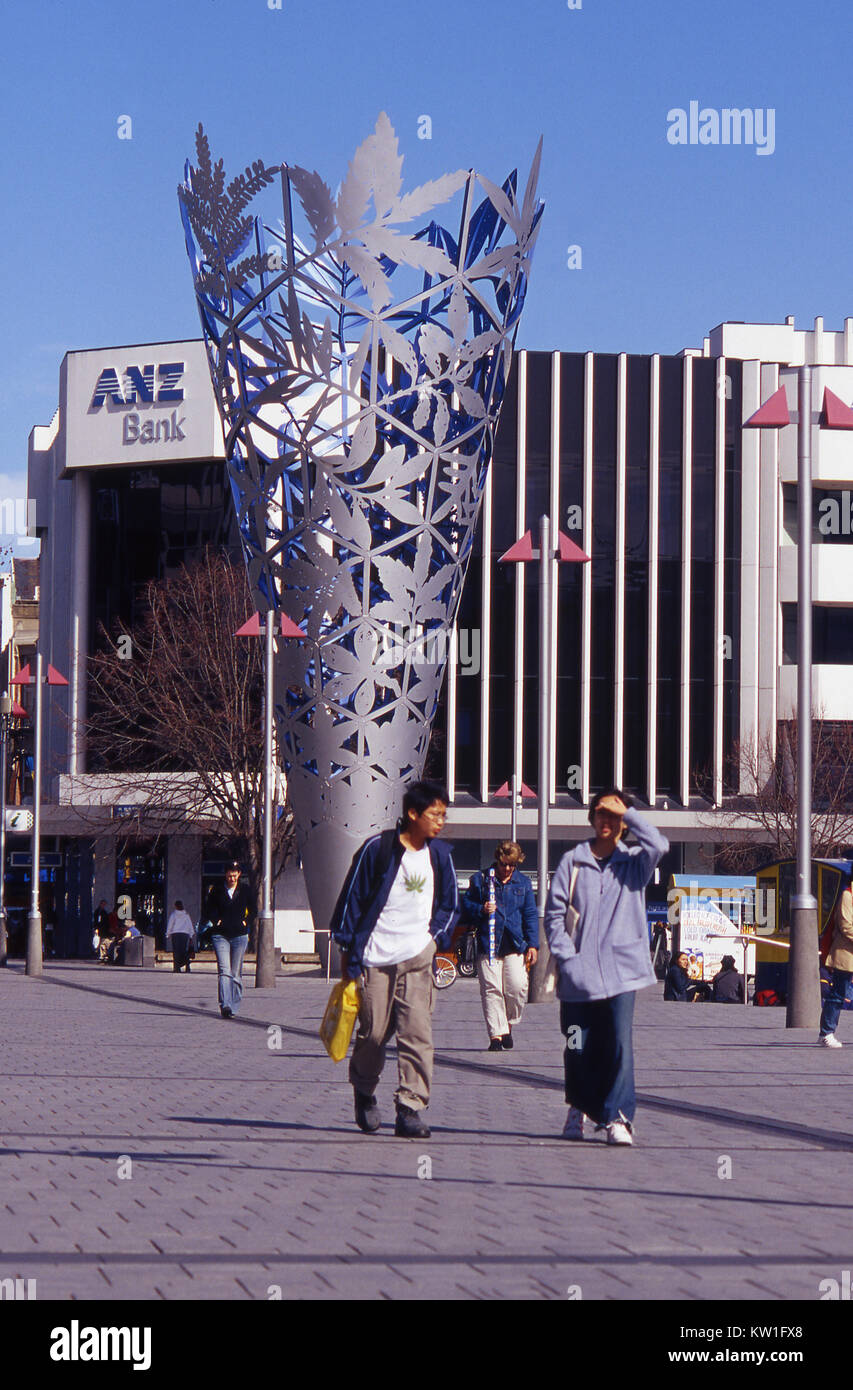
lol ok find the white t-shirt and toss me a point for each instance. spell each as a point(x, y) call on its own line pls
point(402, 930)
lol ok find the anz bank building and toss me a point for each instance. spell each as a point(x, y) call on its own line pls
point(673, 646)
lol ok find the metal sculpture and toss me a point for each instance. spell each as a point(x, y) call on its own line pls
point(359, 371)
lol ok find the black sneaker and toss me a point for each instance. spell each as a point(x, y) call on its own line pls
point(410, 1124)
point(495, 1045)
point(367, 1115)
point(507, 1042)
point(225, 1011)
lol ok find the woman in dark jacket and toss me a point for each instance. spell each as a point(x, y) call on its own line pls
point(501, 904)
point(677, 980)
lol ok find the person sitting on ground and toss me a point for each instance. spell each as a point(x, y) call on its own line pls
point(677, 980)
point(728, 984)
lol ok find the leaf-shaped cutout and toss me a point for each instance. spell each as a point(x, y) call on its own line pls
point(358, 360)
point(470, 401)
point(363, 441)
point(370, 273)
point(457, 314)
point(527, 207)
point(434, 343)
point(428, 196)
point(420, 419)
point(396, 580)
point(501, 203)
point(317, 202)
point(376, 167)
point(441, 424)
point(387, 166)
point(407, 250)
point(364, 698)
point(387, 465)
point(400, 349)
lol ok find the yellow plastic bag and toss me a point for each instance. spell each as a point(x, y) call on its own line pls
point(339, 1019)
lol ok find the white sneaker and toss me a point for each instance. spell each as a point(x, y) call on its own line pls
point(829, 1040)
point(619, 1133)
point(573, 1128)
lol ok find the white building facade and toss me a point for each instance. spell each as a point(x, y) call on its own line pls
point(672, 646)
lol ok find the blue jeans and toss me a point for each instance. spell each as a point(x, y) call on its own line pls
point(599, 1057)
point(834, 1001)
point(229, 958)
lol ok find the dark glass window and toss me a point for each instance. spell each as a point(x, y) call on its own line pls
point(702, 564)
point(635, 741)
point(669, 574)
point(538, 503)
point(502, 650)
point(832, 635)
point(832, 515)
point(603, 576)
point(146, 522)
point(569, 576)
point(732, 576)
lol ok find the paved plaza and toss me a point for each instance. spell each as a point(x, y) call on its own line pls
point(150, 1150)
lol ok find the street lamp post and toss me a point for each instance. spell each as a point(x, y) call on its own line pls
point(803, 1010)
point(35, 962)
point(553, 545)
point(265, 973)
point(5, 716)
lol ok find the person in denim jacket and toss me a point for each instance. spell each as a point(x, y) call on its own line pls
point(501, 905)
point(602, 962)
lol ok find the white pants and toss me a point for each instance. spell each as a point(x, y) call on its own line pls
point(503, 990)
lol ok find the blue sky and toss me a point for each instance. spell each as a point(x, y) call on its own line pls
point(674, 239)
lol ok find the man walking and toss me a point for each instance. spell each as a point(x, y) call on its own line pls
point(230, 910)
point(398, 901)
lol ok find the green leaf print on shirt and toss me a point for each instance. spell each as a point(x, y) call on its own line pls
point(415, 883)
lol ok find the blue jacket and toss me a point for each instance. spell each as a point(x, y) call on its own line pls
point(360, 904)
point(516, 913)
point(610, 952)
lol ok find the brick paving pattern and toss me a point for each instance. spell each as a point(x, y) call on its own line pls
point(246, 1177)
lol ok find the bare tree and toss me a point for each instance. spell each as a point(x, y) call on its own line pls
point(176, 713)
point(760, 823)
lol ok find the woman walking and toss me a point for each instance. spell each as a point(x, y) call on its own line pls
point(501, 904)
point(595, 921)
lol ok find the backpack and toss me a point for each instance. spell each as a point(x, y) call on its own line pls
point(383, 858)
point(766, 998)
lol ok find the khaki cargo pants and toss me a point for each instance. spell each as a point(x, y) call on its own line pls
point(396, 999)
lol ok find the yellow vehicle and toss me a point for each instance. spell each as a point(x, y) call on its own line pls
point(779, 883)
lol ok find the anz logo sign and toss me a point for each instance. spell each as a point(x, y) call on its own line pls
point(153, 384)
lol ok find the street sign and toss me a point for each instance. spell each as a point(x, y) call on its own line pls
point(18, 819)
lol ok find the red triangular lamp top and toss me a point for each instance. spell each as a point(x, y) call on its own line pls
point(254, 628)
point(54, 677)
point(570, 551)
point(524, 549)
point(836, 415)
point(23, 677)
point(772, 415)
point(526, 793)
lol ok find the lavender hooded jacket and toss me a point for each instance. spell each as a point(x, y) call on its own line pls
point(610, 951)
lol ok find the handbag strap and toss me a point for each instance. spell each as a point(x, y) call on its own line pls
point(574, 879)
